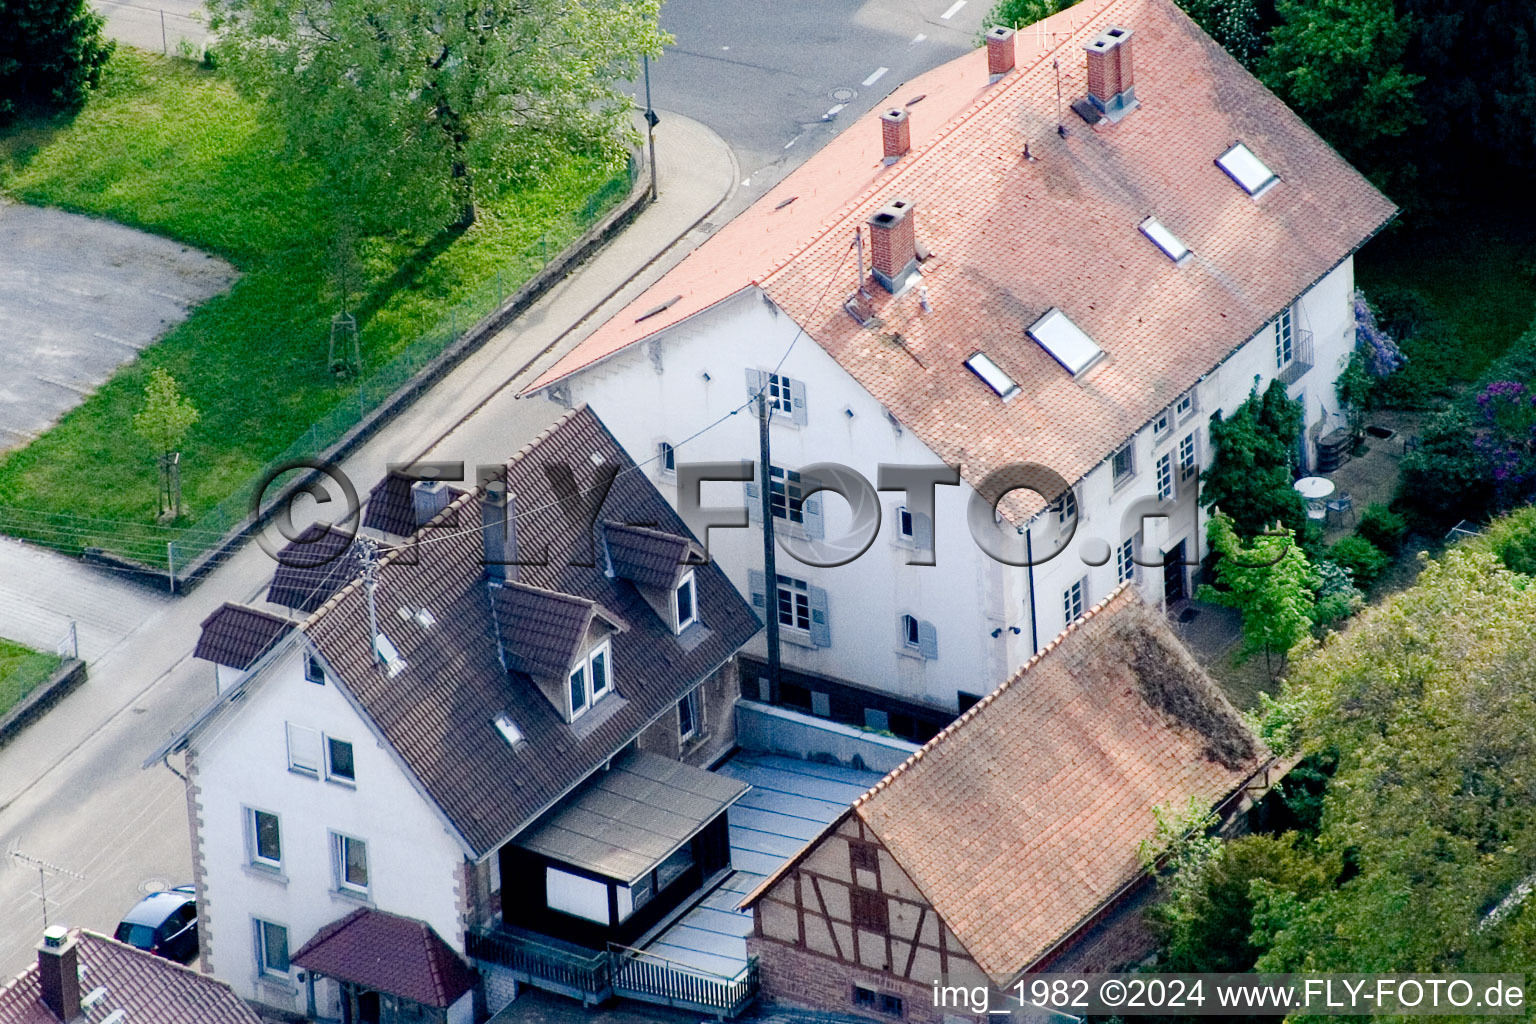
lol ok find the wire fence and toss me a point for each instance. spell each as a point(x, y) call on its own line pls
point(158, 550)
point(22, 669)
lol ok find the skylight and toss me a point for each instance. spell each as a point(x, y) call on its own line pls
point(385, 649)
point(509, 730)
point(1164, 239)
point(1065, 341)
point(992, 375)
point(1246, 169)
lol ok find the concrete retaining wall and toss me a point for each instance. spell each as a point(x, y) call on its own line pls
point(774, 730)
point(64, 681)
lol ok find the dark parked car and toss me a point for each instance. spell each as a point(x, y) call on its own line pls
point(164, 923)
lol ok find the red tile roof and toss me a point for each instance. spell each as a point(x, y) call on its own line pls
point(396, 955)
point(1012, 238)
point(147, 987)
point(1024, 817)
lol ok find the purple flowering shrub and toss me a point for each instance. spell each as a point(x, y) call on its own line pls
point(1504, 435)
point(1382, 354)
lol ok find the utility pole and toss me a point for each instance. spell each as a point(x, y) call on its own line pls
point(650, 125)
point(770, 562)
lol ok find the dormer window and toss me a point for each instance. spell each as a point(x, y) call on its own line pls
point(590, 679)
point(685, 603)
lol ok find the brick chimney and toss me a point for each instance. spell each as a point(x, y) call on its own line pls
point(428, 498)
point(1000, 58)
point(895, 133)
point(893, 243)
point(1111, 79)
point(58, 972)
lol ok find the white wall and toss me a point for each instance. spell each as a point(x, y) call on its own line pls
point(657, 391)
point(240, 760)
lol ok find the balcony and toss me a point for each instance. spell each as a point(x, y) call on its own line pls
point(1301, 358)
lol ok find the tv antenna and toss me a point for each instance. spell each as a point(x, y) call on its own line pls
point(1061, 128)
point(44, 869)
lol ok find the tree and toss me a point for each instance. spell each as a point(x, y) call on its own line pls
point(1270, 582)
point(163, 422)
point(1232, 23)
point(415, 108)
point(1018, 13)
point(1353, 390)
point(51, 54)
point(1339, 64)
point(1251, 462)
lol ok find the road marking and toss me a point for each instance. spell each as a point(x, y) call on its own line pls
point(831, 113)
point(879, 73)
point(791, 142)
point(954, 9)
point(915, 40)
point(746, 183)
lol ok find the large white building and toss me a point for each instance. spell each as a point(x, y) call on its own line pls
point(978, 276)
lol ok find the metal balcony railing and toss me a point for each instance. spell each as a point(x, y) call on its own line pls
point(1301, 357)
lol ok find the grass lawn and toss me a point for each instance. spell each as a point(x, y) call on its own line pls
point(21, 669)
point(1476, 278)
point(171, 148)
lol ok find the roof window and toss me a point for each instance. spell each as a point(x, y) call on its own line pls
point(1065, 341)
point(992, 375)
point(509, 730)
point(1164, 239)
point(385, 649)
point(1246, 169)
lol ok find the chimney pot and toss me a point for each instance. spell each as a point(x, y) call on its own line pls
point(1000, 56)
point(895, 133)
point(58, 973)
point(428, 498)
point(1111, 76)
point(893, 243)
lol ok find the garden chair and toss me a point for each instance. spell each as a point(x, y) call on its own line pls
point(1341, 504)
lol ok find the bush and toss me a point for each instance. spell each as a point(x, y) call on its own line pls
point(1513, 540)
point(1363, 560)
point(1337, 597)
point(1382, 527)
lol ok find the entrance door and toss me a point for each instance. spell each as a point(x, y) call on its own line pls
point(1173, 574)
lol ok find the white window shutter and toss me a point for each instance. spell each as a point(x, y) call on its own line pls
point(928, 640)
point(821, 622)
point(797, 395)
point(753, 496)
point(303, 749)
point(922, 531)
point(815, 526)
point(756, 381)
point(757, 586)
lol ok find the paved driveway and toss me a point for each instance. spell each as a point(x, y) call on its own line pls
point(78, 298)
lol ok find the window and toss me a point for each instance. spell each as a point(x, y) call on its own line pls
point(386, 652)
point(685, 603)
point(303, 750)
point(1073, 598)
point(869, 909)
point(1285, 341)
point(509, 730)
point(666, 458)
point(1164, 239)
point(669, 870)
point(313, 671)
point(579, 690)
point(266, 839)
point(794, 601)
point(688, 715)
point(1125, 560)
point(992, 375)
point(1187, 463)
point(338, 760)
point(1185, 405)
point(351, 857)
point(1122, 464)
point(866, 997)
point(890, 1004)
point(1065, 507)
point(271, 949)
point(597, 668)
point(1246, 169)
point(1065, 341)
point(1160, 424)
point(1165, 477)
point(909, 631)
point(781, 396)
point(904, 524)
point(785, 496)
point(886, 1003)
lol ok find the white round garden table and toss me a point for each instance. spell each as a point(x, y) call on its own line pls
point(1314, 488)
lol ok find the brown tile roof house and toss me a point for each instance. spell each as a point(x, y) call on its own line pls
point(388, 953)
point(1009, 236)
point(394, 507)
point(318, 562)
point(235, 636)
point(466, 651)
point(1020, 823)
point(115, 982)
